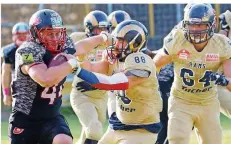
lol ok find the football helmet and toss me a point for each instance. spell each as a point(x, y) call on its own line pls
point(46, 28)
point(117, 17)
point(189, 5)
point(199, 14)
point(225, 21)
point(95, 22)
point(20, 33)
point(130, 36)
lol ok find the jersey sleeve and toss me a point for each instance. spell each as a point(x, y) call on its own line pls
point(168, 44)
point(69, 46)
point(6, 57)
point(69, 43)
point(29, 55)
point(227, 50)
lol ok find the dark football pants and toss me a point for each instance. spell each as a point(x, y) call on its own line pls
point(165, 88)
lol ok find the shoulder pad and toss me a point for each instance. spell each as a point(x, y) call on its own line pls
point(8, 48)
point(69, 44)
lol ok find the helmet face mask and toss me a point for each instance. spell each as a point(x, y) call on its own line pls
point(199, 23)
point(130, 36)
point(46, 28)
point(52, 39)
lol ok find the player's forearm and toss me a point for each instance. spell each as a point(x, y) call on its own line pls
point(6, 77)
point(115, 82)
point(48, 77)
point(58, 73)
point(229, 35)
point(229, 85)
point(161, 59)
point(85, 46)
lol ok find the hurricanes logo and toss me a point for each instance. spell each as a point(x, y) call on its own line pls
point(56, 20)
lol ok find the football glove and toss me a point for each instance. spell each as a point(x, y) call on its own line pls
point(219, 79)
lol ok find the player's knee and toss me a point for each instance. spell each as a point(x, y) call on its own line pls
point(178, 137)
point(62, 139)
point(94, 130)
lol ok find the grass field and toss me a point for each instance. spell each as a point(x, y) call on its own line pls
point(76, 128)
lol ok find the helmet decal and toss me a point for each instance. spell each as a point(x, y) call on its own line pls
point(56, 20)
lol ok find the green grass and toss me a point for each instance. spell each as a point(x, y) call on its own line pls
point(76, 128)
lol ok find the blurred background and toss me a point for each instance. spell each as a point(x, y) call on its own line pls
point(158, 18)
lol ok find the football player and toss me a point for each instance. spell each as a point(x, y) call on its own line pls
point(224, 95)
point(114, 19)
point(138, 101)
point(35, 117)
point(89, 103)
point(20, 33)
point(117, 17)
point(197, 53)
point(165, 79)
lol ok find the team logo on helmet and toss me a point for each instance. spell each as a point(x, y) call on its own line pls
point(131, 36)
point(36, 21)
point(56, 20)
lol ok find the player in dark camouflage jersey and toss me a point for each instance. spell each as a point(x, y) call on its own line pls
point(20, 33)
point(165, 79)
point(37, 87)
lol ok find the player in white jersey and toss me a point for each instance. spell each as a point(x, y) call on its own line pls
point(114, 19)
point(224, 95)
point(89, 103)
point(138, 101)
point(197, 53)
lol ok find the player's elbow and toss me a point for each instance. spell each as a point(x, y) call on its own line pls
point(47, 81)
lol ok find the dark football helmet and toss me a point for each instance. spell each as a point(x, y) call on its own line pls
point(198, 14)
point(95, 22)
point(130, 36)
point(20, 33)
point(46, 28)
point(117, 17)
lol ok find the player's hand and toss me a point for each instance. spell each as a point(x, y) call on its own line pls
point(219, 79)
point(7, 100)
point(108, 38)
point(72, 60)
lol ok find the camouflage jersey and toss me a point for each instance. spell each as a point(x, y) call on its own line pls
point(165, 78)
point(34, 102)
